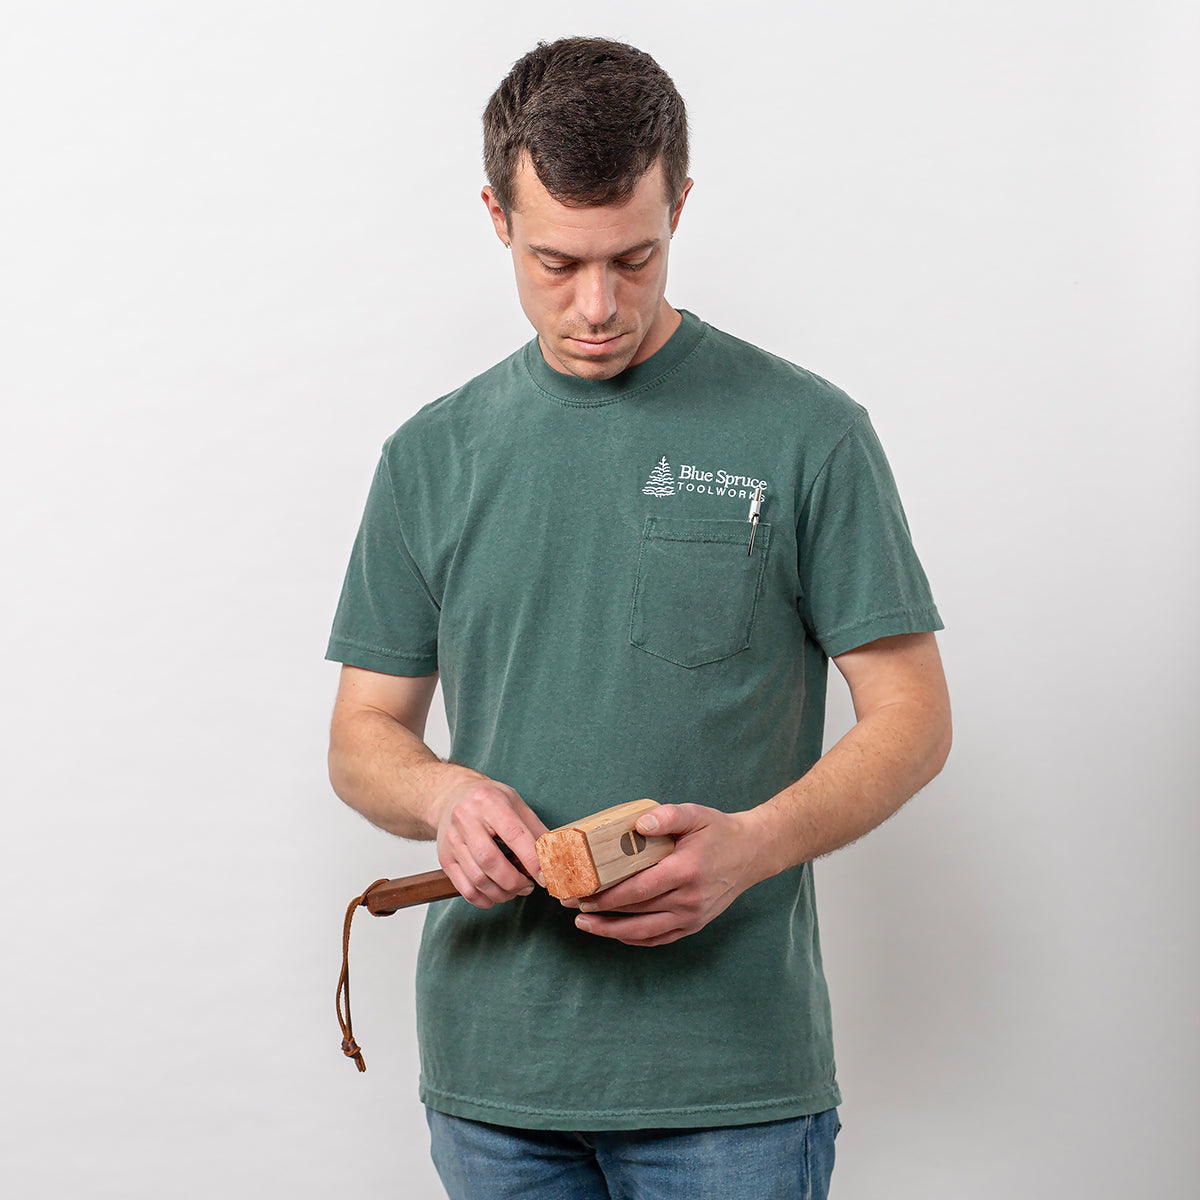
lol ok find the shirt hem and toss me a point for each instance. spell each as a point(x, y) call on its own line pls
point(701, 1116)
point(850, 637)
point(378, 658)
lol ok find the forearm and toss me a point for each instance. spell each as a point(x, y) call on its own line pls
point(884, 759)
point(893, 751)
point(385, 771)
point(381, 767)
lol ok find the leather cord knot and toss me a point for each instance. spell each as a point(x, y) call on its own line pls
point(349, 1045)
point(350, 1050)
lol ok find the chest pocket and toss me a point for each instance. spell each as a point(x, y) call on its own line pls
point(696, 592)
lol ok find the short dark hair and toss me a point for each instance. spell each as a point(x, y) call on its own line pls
point(594, 117)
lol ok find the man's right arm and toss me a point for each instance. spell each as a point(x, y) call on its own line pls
point(380, 766)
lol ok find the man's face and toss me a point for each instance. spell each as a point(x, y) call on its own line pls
point(592, 280)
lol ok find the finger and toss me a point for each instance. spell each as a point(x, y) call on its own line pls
point(648, 887)
point(480, 888)
point(469, 892)
point(509, 818)
point(498, 867)
point(667, 901)
point(650, 930)
point(673, 819)
point(486, 874)
point(520, 839)
point(533, 822)
point(664, 940)
point(471, 841)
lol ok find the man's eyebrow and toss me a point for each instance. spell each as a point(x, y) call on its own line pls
point(551, 252)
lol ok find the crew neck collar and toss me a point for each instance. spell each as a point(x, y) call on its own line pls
point(570, 389)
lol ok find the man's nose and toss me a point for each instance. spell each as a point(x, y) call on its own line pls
point(596, 297)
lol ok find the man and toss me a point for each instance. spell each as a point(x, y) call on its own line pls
point(567, 540)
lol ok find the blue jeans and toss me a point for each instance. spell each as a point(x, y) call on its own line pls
point(778, 1160)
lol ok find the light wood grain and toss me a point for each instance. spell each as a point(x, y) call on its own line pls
point(598, 851)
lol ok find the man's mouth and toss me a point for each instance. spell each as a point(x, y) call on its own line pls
point(595, 345)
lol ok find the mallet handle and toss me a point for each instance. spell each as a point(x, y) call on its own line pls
point(409, 890)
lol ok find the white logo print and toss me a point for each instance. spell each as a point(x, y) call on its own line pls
point(691, 478)
point(661, 481)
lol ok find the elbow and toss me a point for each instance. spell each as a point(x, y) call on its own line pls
point(338, 762)
point(336, 775)
point(943, 740)
point(333, 765)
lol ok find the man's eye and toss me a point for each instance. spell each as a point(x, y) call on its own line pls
point(556, 270)
point(634, 266)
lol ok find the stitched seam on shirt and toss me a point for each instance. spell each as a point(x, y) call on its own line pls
point(410, 561)
point(877, 616)
point(667, 529)
point(683, 1110)
point(821, 471)
point(731, 539)
point(357, 645)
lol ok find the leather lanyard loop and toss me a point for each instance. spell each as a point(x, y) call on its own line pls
point(349, 1045)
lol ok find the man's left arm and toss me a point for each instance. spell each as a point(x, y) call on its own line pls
point(899, 742)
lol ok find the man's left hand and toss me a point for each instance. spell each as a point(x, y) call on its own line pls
point(717, 856)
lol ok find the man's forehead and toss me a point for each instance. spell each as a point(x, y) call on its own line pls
point(529, 192)
point(544, 222)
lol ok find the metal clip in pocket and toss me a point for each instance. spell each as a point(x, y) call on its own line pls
point(755, 510)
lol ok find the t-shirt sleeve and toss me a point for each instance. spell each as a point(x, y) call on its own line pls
point(860, 577)
point(387, 617)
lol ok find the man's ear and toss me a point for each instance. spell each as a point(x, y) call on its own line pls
point(678, 209)
point(499, 220)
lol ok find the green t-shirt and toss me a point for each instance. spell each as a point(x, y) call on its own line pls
point(571, 555)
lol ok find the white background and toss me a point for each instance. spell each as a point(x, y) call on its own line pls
point(242, 241)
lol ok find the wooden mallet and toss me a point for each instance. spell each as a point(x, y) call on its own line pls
point(577, 860)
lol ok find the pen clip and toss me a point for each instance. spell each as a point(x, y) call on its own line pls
point(755, 508)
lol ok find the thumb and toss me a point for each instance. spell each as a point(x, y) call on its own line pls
point(670, 818)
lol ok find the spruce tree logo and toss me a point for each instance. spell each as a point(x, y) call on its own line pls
point(661, 481)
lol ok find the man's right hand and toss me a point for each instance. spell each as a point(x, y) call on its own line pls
point(473, 814)
point(379, 765)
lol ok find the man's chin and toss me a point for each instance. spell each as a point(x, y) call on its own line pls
point(590, 369)
point(592, 365)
